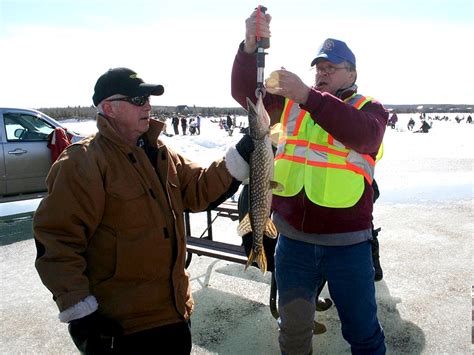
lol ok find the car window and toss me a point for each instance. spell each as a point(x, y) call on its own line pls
point(26, 127)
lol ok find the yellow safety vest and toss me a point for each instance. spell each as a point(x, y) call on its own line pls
point(309, 157)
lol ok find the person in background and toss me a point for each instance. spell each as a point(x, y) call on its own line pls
point(229, 121)
point(198, 123)
point(393, 120)
point(184, 124)
point(175, 123)
point(229, 124)
point(192, 126)
point(325, 162)
point(424, 128)
point(110, 233)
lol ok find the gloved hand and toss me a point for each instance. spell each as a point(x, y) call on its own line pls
point(94, 333)
point(237, 158)
point(245, 147)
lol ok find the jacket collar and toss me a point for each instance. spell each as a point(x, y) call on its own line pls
point(344, 93)
point(151, 136)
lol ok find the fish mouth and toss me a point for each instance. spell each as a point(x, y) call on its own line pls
point(259, 120)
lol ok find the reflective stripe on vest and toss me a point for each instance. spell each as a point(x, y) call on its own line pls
point(308, 156)
point(358, 101)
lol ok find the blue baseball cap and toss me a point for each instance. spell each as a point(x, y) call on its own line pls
point(335, 51)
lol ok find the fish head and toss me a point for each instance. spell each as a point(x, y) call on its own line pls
point(259, 120)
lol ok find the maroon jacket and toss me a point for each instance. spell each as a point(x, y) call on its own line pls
point(361, 130)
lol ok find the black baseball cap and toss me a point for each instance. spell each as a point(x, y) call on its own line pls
point(123, 81)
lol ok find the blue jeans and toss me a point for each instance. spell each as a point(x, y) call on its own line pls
point(300, 269)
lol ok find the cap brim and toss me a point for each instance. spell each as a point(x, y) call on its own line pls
point(332, 58)
point(151, 89)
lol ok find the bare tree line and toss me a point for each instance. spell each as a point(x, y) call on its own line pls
point(82, 112)
point(86, 113)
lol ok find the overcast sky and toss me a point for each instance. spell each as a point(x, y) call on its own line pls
point(53, 51)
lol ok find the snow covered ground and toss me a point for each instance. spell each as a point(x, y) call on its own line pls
point(425, 211)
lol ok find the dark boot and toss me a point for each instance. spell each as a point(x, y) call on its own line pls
point(375, 256)
point(323, 304)
point(319, 328)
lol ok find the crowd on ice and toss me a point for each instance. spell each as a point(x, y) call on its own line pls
point(183, 124)
point(426, 122)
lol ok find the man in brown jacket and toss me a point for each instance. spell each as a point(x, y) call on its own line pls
point(110, 234)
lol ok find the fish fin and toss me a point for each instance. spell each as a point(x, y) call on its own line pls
point(244, 226)
point(270, 229)
point(260, 259)
point(276, 186)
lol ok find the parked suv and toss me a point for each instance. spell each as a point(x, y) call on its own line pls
point(25, 159)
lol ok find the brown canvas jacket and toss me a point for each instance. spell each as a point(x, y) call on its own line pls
point(110, 228)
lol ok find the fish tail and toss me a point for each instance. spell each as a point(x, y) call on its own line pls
point(260, 258)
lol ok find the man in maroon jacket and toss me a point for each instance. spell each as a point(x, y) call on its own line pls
point(321, 240)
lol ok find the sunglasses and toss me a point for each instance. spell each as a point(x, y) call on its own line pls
point(137, 100)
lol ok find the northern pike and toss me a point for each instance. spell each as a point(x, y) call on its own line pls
point(258, 219)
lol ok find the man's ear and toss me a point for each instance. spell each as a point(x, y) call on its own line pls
point(108, 109)
point(353, 75)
